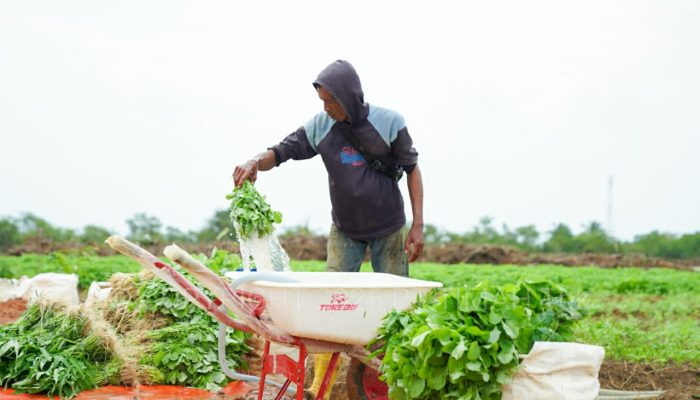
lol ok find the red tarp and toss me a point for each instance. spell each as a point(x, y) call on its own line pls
point(162, 392)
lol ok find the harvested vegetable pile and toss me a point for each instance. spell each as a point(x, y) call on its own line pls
point(144, 332)
point(465, 343)
point(54, 350)
point(169, 340)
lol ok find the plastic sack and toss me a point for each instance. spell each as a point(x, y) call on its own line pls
point(53, 286)
point(13, 288)
point(97, 292)
point(557, 371)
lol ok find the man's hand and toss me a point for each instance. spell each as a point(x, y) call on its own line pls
point(414, 243)
point(246, 171)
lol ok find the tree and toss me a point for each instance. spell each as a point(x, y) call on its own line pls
point(218, 227)
point(434, 235)
point(561, 240)
point(666, 245)
point(175, 235)
point(483, 233)
point(144, 229)
point(689, 245)
point(302, 229)
point(9, 234)
point(94, 234)
point(595, 240)
point(33, 227)
point(526, 236)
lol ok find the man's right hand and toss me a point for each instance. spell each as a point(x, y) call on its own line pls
point(246, 171)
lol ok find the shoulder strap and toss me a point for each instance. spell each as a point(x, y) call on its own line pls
point(388, 166)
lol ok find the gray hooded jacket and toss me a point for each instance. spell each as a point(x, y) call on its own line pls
point(366, 204)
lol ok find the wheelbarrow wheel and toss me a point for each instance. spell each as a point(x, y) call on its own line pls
point(363, 383)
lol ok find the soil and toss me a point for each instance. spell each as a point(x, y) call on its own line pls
point(308, 247)
point(11, 310)
point(679, 382)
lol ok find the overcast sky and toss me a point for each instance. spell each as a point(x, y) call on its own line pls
point(519, 110)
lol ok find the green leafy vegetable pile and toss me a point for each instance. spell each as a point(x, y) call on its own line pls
point(144, 332)
point(47, 351)
point(251, 213)
point(465, 343)
point(184, 351)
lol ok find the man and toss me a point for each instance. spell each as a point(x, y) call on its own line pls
point(367, 204)
point(363, 147)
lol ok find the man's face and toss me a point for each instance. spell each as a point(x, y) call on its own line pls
point(331, 106)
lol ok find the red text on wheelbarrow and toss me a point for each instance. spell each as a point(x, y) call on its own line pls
point(339, 302)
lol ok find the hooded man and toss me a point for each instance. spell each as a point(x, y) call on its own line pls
point(365, 149)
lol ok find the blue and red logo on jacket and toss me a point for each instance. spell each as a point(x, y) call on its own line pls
point(351, 156)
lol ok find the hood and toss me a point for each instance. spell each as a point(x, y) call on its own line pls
point(342, 82)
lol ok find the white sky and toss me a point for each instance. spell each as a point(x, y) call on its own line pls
point(519, 110)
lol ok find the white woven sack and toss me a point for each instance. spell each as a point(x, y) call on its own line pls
point(557, 371)
point(13, 288)
point(53, 286)
point(97, 292)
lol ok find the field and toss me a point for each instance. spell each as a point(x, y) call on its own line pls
point(648, 320)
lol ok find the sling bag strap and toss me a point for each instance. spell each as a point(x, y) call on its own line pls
point(387, 165)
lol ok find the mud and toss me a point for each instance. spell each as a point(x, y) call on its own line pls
point(679, 381)
point(11, 310)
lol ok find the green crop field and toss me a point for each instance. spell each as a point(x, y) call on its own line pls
point(88, 268)
point(649, 315)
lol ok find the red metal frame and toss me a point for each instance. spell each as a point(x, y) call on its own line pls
point(293, 370)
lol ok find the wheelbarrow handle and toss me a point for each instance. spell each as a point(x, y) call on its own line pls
point(227, 295)
point(174, 279)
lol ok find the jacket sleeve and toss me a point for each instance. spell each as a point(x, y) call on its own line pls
point(403, 150)
point(295, 146)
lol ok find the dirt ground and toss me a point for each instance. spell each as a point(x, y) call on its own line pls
point(11, 310)
point(679, 382)
point(306, 247)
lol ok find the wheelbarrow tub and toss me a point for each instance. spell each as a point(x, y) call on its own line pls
point(341, 307)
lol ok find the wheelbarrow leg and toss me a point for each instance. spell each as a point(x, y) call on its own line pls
point(282, 364)
point(330, 370)
point(263, 373)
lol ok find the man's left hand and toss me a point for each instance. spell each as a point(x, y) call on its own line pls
point(414, 243)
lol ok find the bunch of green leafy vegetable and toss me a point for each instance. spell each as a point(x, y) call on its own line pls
point(464, 343)
point(251, 213)
point(185, 351)
point(48, 351)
